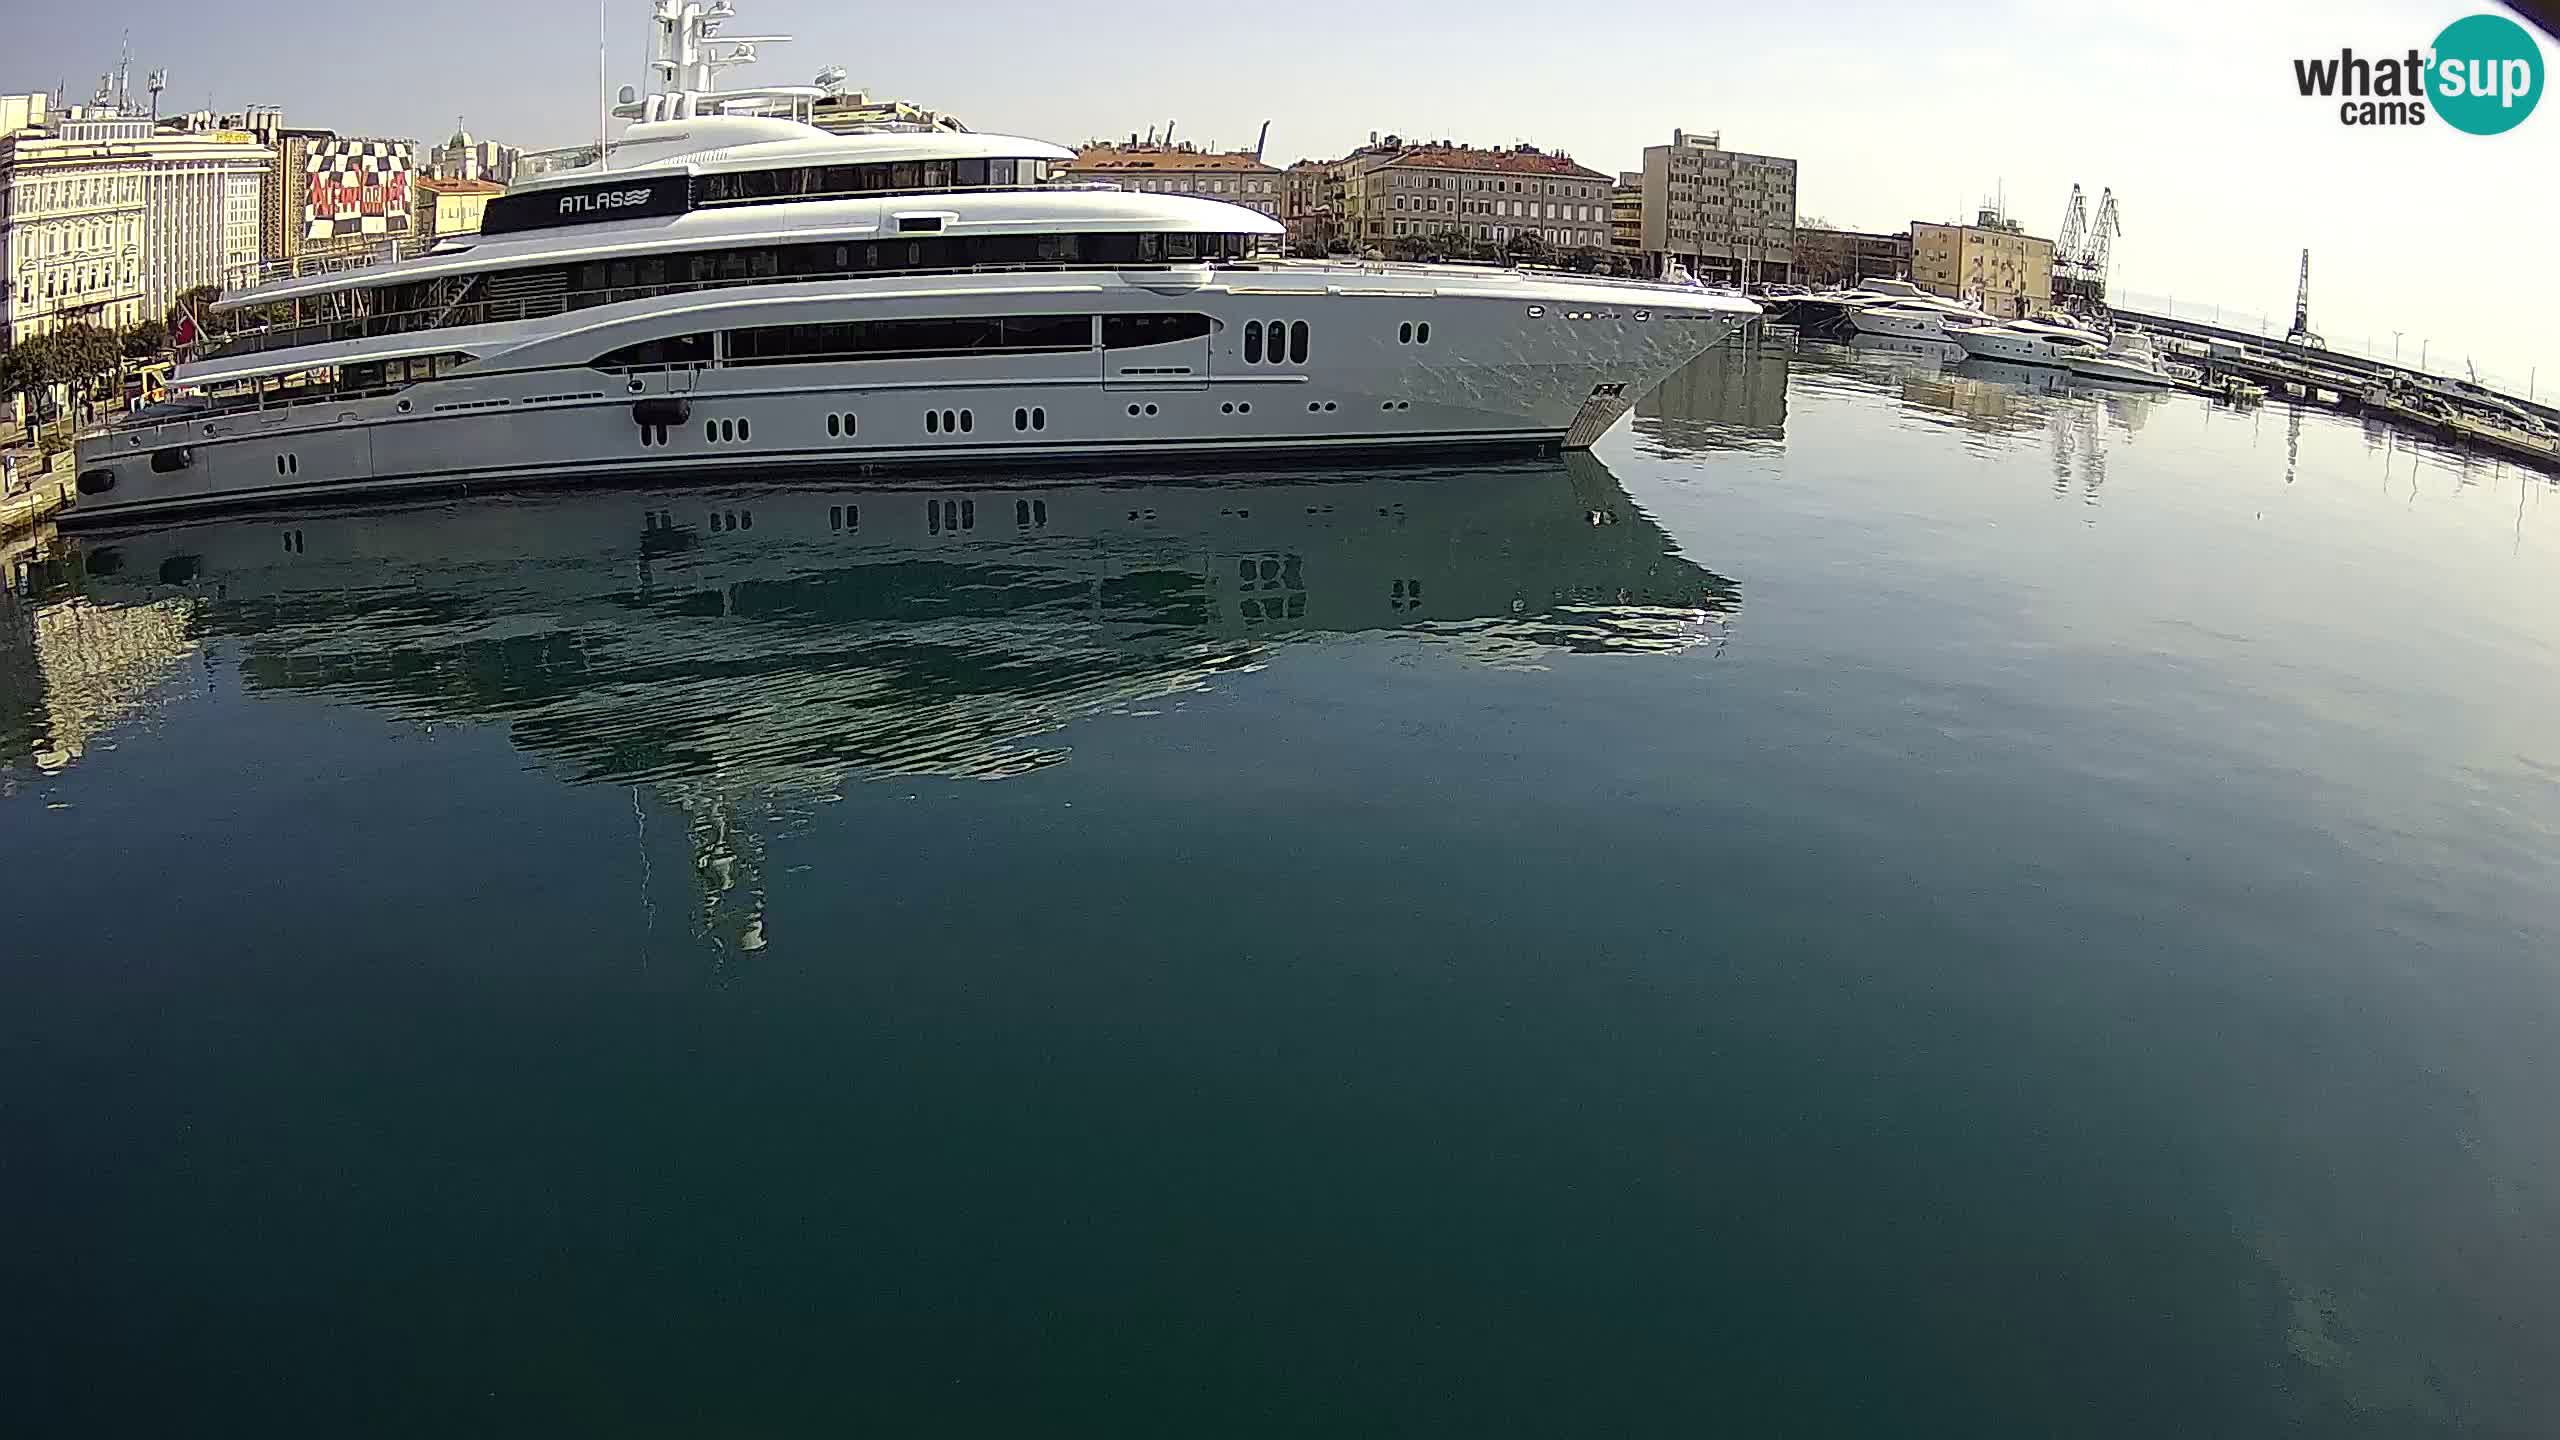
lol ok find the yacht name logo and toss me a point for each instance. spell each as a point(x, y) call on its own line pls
point(2482, 76)
point(609, 200)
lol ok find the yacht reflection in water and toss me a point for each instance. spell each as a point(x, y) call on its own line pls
point(745, 650)
point(1733, 397)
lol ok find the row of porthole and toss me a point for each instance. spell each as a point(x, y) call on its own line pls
point(653, 434)
point(1314, 406)
point(1395, 404)
point(1236, 407)
point(724, 431)
point(843, 423)
point(949, 422)
point(1410, 333)
point(1288, 343)
point(844, 517)
point(1142, 409)
point(1035, 418)
point(950, 517)
point(733, 520)
point(288, 464)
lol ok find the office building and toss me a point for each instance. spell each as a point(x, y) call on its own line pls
point(1724, 215)
point(105, 219)
point(1992, 261)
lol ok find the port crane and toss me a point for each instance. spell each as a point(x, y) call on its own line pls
point(2301, 333)
point(2083, 251)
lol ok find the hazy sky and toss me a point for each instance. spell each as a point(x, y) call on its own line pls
point(1895, 112)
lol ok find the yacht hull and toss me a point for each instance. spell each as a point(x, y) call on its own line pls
point(1391, 363)
point(1992, 343)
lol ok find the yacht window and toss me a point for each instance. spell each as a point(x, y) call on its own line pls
point(1182, 247)
point(972, 172)
point(1253, 342)
point(909, 339)
point(660, 354)
point(903, 175)
point(999, 172)
point(1129, 332)
point(1298, 342)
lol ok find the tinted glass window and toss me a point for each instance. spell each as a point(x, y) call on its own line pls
point(1126, 332)
point(648, 354)
point(896, 339)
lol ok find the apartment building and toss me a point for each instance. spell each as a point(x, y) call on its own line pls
point(1448, 193)
point(1724, 215)
point(1236, 176)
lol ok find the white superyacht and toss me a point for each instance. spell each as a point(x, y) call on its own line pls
point(727, 287)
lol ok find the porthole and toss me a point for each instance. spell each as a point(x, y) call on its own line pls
point(710, 429)
point(728, 430)
point(1039, 418)
point(967, 421)
point(933, 422)
point(1422, 333)
point(743, 431)
point(1537, 311)
point(1279, 347)
point(1227, 409)
point(1133, 409)
point(1151, 409)
point(835, 425)
point(1297, 342)
point(1021, 418)
point(852, 423)
point(1404, 333)
point(1253, 342)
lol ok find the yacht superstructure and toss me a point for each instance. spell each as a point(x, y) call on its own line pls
point(727, 287)
point(2031, 342)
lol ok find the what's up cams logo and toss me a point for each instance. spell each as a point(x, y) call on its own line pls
point(2482, 76)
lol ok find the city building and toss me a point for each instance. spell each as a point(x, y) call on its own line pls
point(106, 219)
point(1626, 216)
point(18, 112)
point(1236, 176)
point(2008, 271)
point(1452, 196)
point(330, 200)
point(1826, 257)
point(462, 158)
point(1311, 207)
point(1722, 214)
point(440, 208)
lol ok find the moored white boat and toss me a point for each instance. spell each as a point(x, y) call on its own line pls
point(2030, 342)
point(742, 291)
point(2129, 361)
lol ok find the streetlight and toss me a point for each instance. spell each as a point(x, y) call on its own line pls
point(2422, 353)
point(2395, 347)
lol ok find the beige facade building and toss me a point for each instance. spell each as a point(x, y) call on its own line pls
point(441, 208)
point(1451, 194)
point(1994, 259)
point(1626, 215)
point(1236, 176)
point(1722, 214)
point(105, 218)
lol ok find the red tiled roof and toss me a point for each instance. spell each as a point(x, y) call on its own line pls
point(1516, 162)
point(1160, 157)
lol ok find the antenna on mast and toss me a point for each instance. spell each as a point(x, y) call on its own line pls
point(604, 83)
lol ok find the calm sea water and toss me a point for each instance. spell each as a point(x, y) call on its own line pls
point(1889, 900)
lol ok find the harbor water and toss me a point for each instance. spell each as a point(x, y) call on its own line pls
point(1894, 897)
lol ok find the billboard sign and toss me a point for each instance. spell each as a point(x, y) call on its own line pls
point(356, 188)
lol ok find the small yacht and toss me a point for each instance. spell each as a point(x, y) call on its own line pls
point(2031, 342)
point(1905, 311)
point(2129, 361)
point(728, 287)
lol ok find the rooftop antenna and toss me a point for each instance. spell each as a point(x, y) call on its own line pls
point(158, 82)
point(604, 86)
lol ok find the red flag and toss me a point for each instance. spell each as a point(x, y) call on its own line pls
point(185, 338)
